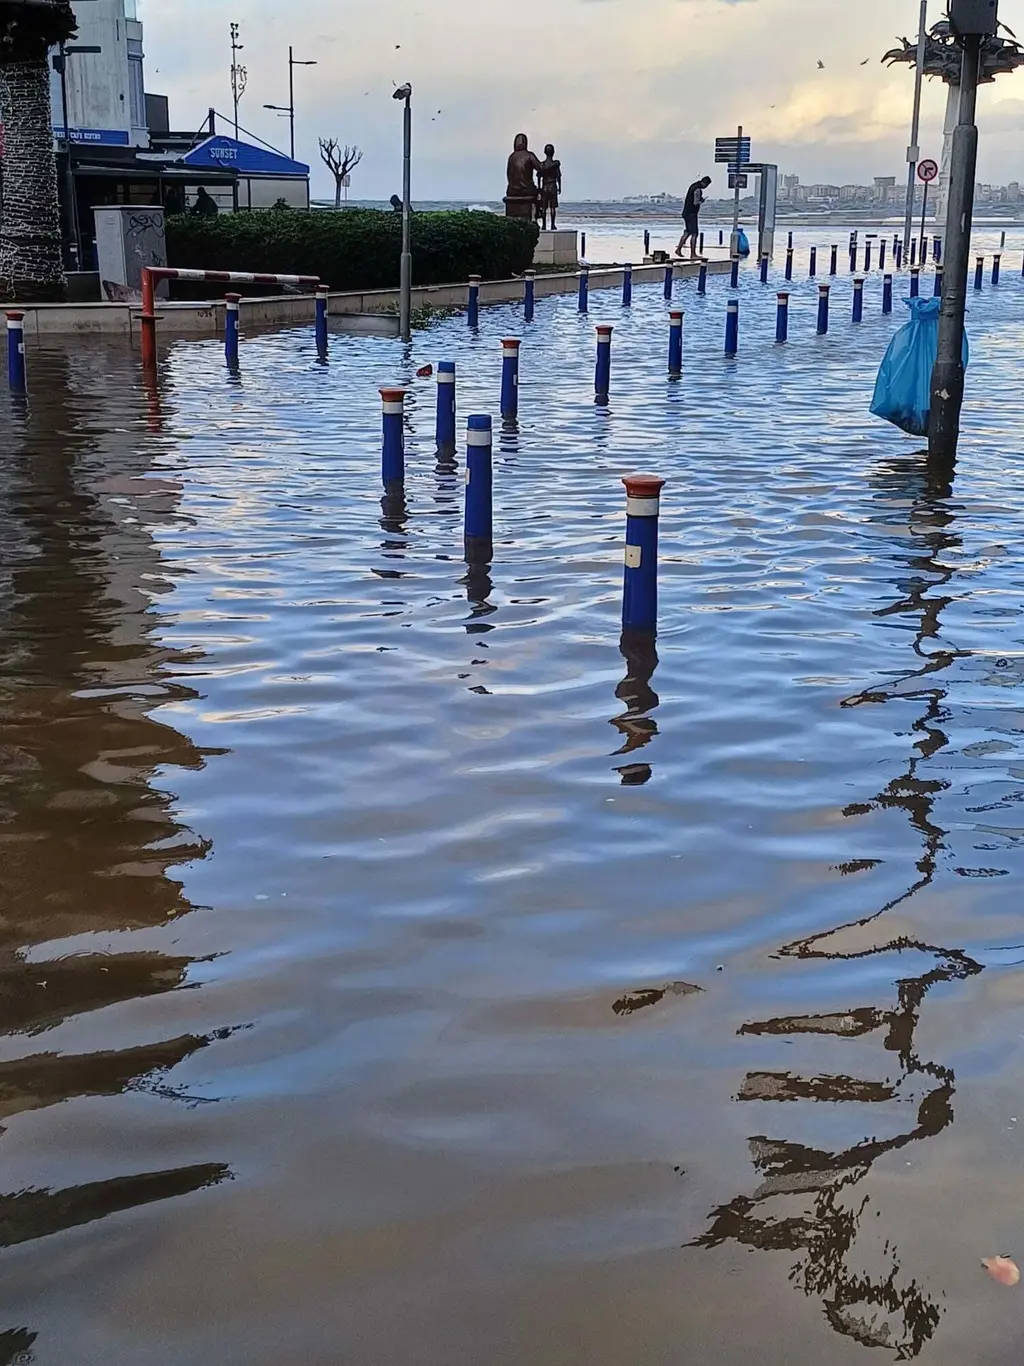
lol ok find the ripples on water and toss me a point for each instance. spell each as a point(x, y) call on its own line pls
point(394, 970)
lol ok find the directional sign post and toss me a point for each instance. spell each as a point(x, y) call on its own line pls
point(927, 171)
point(735, 153)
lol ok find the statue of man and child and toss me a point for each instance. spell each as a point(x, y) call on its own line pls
point(533, 185)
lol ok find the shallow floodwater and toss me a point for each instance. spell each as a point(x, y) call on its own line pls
point(395, 971)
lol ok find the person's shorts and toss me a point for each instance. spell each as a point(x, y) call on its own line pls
point(691, 224)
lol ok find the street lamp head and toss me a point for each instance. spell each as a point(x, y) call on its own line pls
point(404, 92)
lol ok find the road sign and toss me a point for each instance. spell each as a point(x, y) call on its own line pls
point(737, 182)
point(928, 171)
point(732, 150)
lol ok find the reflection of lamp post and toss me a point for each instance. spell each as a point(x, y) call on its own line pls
point(289, 108)
point(404, 92)
point(60, 63)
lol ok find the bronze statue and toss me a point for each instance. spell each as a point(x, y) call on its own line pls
point(521, 196)
point(550, 187)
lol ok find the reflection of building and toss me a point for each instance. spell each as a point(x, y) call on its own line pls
point(809, 1199)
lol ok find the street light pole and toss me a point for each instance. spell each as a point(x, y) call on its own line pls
point(69, 170)
point(405, 280)
point(291, 99)
point(914, 151)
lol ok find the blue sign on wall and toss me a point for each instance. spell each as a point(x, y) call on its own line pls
point(104, 137)
point(228, 154)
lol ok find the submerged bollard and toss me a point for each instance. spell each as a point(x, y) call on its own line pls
point(897, 252)
point(853, 259)
point(392, 462)
point(473, 310)
point(583, 296)
point(640, 580)
point(603, 370)
point(881, 253)
point(782, 317)
point(627, 286)
point(721, 238)
point(996, 263)
point(702, 278)
point(510, 379)
point(915, 281)
point(858, 299)
point(765, 258)
point(887, 294)
point(479, 527)
point(979, 273)
point(937, 291)
point(937, 249)
point(732, 327)
point(789, 241)
point(734, 278)
point(647, 243)
point(583, 245)
point(231, 302)
point(675, 342)
point(670, 276)
point(913, 251)
point(823, 293)
point(321, 321)
point(445, 428)
point(833, 268)
point(789, 262)
point(529, 295)
point(700, 246)
point(867, 257)
point(16, 377)
point(812, 269)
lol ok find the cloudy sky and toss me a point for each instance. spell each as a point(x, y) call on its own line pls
point(632, 91)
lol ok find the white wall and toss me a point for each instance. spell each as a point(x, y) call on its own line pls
point(259, 193)
point(100, 84)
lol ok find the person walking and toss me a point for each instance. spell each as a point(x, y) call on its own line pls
point(691, 216)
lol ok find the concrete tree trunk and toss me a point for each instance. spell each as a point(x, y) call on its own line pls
point(31, 264)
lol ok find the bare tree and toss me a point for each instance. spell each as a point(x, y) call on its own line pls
point(341, 162)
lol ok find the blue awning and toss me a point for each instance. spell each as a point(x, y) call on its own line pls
point(228, 154)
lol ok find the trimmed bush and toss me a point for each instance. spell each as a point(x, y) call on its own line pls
point(354, 248)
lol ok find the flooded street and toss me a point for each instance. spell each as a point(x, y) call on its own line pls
point(393, 970)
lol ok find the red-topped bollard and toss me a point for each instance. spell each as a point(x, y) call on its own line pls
point(640, 583)
point(392, 465)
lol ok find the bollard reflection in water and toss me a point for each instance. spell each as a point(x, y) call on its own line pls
point(638, 728)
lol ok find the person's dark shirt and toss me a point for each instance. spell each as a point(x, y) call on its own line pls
point(694, 199)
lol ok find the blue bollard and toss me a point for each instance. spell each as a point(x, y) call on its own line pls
point(510, 379)
point(583, 245)
point(445, 429)
point(887, 294)
point(675, 342)
point(915, 281)
point(473, 310)
point(670, 276)
point(700, 246)
point(996, 263)
point(321, 321)
point(782, 317)
point(897, 252)
point(937, 249)
point(732, 327)
point(721, 238)
point(231, 302)
point(702, 278)
point(789, 264)
point(858, 299)
point(823, 293)
point(833, 266)
point(913, 251)
point(734, 275)
point(627, 286)
point(640, 581)
point(813, 268)
point(479, 526)
point(867, 257)
point(603, 370)
point(16, 353)
point(647, 243)
point(881, 253)
point(765, 258)
point(853, 260)
point(583, 297)
point(979, 273)
point(392, 463)
point(529, 295)
point(937, 291)
point(789, 242)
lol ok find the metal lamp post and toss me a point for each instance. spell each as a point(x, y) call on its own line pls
point(404, 93)
point(913, 151)
point(60, 63)
point(289, 108)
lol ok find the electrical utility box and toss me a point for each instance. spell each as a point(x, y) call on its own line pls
point(974, 18)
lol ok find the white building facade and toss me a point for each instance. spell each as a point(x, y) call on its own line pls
point(105, 89)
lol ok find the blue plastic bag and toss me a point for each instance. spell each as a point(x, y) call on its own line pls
point(742, 243)
point(904, 383)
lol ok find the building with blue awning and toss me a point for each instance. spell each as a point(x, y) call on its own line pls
point(264, 176)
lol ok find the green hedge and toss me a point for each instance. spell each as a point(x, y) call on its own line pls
point(353, 248)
